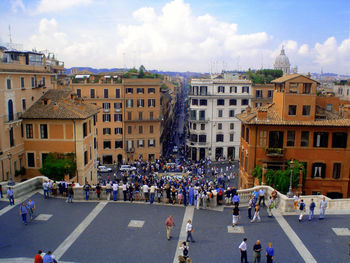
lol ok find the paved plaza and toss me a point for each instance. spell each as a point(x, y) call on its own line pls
point(124, 232)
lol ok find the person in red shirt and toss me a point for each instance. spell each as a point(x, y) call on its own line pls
point(169, 223)
point(38, 258)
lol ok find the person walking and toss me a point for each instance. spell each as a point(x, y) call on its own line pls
point(301, 210)
point(38, 258)
point(262, 196)
point(323, 206)
point(152, 191)
point(10, 196)
point(169, 224)
point(257, 252)
point(296, 199)
point(46, 190)
point(189, 230)
point(185, 248)
point(23, 211)
point(269, 253)
point(311, 209)
point(235, 215)
point(48, 257)
point(70, 193)
point(108, 191)
point(31, 208)
point(235, 199)
point(270, 206)
point(125, 190)
point(256, 214)
point(250, 206)
point(243, 248)
point(98, 191)
point(87, 188)
point(115, 191)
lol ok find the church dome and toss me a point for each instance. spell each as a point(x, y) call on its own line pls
point(282, 60)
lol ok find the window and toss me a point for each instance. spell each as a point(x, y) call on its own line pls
point(194, 126)
point(106, 131)
point(11, 138)
point(118, 117)
point(321, 139)
point(29, 131)
point(262, 138)
point(290, 138)
point(106, 144)
point(203, 90)
point(247, 134)
point(8, 83)
point(193, 137)
point(95, 143)
point(140, 116)
point(231, 137)
point(258, 93)
point(118, 130)
point(129, 129)
point(106, 107)
point(275, 139)
point(43, 131)
point(193, 114)
point(24, 106)
point(95, 120)
point(129, 103)
point(306, 110)
point(233, 89)
point(336, 170)
point(151, 142)
point(221, 102)
point(202, 126)
point(219, 137)
point(140, 90)
point(117, 93)
point(202, 115)
point(22, 82)
point(85, 158)
point(130, 145)
point(258, 104)
point(89, 126)
point(33, 82)
point(129, 90)
point(92, 93)
point(140, 143)
point(307, 88)
point(105, 93)
point(220, 113)
point(233, 102)
point(30, 160)
point(221, 89)
point(140, 103)
point(245, 102)
point(194, 102)
point(151, 115)
point(106, 117)
point(118, 144)
point(339, 139)
point(304, 140)
point(129, 116)
point(329, 107)
point(79, 93)
point(202, 138)
point(84, 129)
point(318, 170)
point(43, 81)
point(270, 93)
point(203, 102)
point(293, 87)
point(219, 126)
point(118, 106)
point(245, 89)
point(232, 113)
point(140, 129)
point(151, 129)
point(151, 102)
point(151, 90)
point(292, 110)
point(232, 126)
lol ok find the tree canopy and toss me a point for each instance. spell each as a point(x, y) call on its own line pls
point(56, 165)
point(264, 76)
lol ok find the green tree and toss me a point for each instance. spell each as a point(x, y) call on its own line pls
point(142, 70)
point(56, 165)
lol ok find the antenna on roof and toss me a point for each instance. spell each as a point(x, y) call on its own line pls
point(10, 35)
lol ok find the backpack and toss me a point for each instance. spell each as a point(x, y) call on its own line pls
point(185, 251)
point(302, 205)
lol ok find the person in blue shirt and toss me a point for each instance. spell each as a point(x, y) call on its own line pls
point(269, 253)
point(31, 208)
point(184, 192)
point(10, 196)
point(23, 212)
point(255, 194)
point(235, 199)
point(191, 195)
point(47, 258)
point(311, 210)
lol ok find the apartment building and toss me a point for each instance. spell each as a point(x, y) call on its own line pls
point(303, 126)
point(60, 122)
point(131, 122)
point(262, 94)
point(214, 131)
point(24, 77)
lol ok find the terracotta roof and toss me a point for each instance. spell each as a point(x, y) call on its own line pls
point(289, 77)
point(323, 118)
point(60, 104)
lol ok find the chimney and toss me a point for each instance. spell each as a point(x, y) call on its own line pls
point(346, 111)
point(248, 110)
point(262, 114)
point(308, 75)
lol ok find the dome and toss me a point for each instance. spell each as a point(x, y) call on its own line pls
point(282, 60)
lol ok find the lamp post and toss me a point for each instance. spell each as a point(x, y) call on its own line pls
point(9, 156)
point(290, 193)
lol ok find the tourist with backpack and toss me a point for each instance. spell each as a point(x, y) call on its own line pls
point(301, 210)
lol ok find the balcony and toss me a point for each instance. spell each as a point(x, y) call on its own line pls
point(117, 109)
point(130, 150)
point(105, 110)
point(274, 152)
point(13, 118)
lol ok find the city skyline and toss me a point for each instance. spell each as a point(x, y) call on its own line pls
point(183, 35)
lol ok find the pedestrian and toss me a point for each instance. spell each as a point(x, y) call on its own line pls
point(256, 214)
point(235, 199)
point(185, 249)
point(38, 258)
point(189, 231)
point(257, 252)
point(145, 190)
point(301, 210)
point(243, 248)
point(269, 253)
point(98, 191)
point(48, 258)
point(10, 196)
point(46, 189)
point(250, 206)
point(115, 191)
point(323, 206)
point(311, 209)
point(295, 198)
point(125, 190)
point(184, 192)
point(23, 211)
point(108, 191)
point(235, 215)
point(87, 188)
point(70, 193)
point(169, 224)
point(152, 191)
point(191, 195)
point(31, 208)
point(262, 196)
point(0, 190)
point(270, 206)
point(131, 192)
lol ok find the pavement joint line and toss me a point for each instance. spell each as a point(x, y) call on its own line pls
point(18, 201)
point(182, 236)
point(293, 237)
point(67, 243)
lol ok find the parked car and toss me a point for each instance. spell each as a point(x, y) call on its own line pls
point(104, 169)
point(125, 168)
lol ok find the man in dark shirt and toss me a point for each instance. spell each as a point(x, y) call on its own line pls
point(257, 250)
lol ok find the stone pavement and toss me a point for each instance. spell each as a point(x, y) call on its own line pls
point(123, 232)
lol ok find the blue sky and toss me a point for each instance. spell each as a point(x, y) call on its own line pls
point(184, 35)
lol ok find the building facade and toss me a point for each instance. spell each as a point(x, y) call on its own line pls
point(214, 131)
point(262, 94)
point(298, 125)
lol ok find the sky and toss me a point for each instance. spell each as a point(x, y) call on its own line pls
point(183, 35)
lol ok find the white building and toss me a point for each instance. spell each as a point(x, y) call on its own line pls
point(282, 62)
point(214, 130)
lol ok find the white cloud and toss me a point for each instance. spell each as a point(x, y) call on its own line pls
point(303, 50)
point(50, 6)
point(17, 5)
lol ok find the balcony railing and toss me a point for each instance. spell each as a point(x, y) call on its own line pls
point(130, 150)
point(274, 152)
point(13, 118)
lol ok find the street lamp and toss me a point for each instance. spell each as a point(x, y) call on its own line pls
point(291, 165)
point(9, 156)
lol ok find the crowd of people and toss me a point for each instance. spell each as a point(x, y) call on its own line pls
point(257, 249)
point(41, 257)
